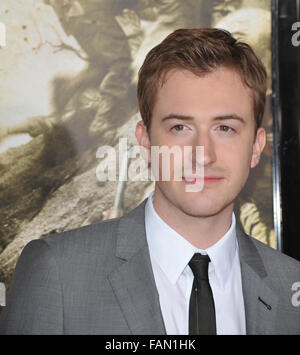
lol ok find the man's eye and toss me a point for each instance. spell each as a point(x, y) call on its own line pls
point(225, 128)
point(179, 127)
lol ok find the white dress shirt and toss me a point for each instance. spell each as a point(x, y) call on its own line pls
point(170, 254)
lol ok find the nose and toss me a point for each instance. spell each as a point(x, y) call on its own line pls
point(208, 157)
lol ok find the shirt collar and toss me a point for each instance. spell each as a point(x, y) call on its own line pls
point(172, 252)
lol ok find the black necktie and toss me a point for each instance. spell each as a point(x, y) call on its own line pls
point(202, 318)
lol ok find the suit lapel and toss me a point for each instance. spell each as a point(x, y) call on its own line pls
point(134, 285)
point(260, 300)
point(133, 282)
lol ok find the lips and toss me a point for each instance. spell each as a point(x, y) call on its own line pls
point(190, 180)
point(206, 179)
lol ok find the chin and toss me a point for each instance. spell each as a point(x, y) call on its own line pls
point(199, 204)
point(202, 211)
point(204, 208)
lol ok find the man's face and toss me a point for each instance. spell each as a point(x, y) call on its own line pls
point(214, 111)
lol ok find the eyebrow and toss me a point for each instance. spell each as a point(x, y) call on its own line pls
point(191, 118)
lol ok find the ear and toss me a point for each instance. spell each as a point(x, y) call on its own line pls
point(258, 146)
point(143, 139)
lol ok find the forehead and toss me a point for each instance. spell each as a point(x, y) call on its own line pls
point(219, 92)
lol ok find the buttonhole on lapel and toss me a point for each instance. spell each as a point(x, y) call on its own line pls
point(265, 304)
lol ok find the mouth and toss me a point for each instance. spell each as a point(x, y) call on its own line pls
point(206, 179)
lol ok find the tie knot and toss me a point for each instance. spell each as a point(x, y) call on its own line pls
point(199, 266)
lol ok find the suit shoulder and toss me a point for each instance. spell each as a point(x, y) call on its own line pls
point(85, 236)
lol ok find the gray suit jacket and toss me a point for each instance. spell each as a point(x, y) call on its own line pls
point(98, 279)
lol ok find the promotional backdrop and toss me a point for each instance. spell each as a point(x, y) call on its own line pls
point(68, 74)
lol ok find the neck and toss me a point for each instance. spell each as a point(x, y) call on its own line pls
point(200, 231)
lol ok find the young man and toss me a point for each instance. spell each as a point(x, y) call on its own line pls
point(177, 263)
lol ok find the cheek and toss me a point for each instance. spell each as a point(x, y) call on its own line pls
point(235, 160)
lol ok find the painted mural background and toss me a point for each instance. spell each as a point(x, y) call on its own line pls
point(68, 78)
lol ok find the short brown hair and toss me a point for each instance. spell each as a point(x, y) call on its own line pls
point(200, 51)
